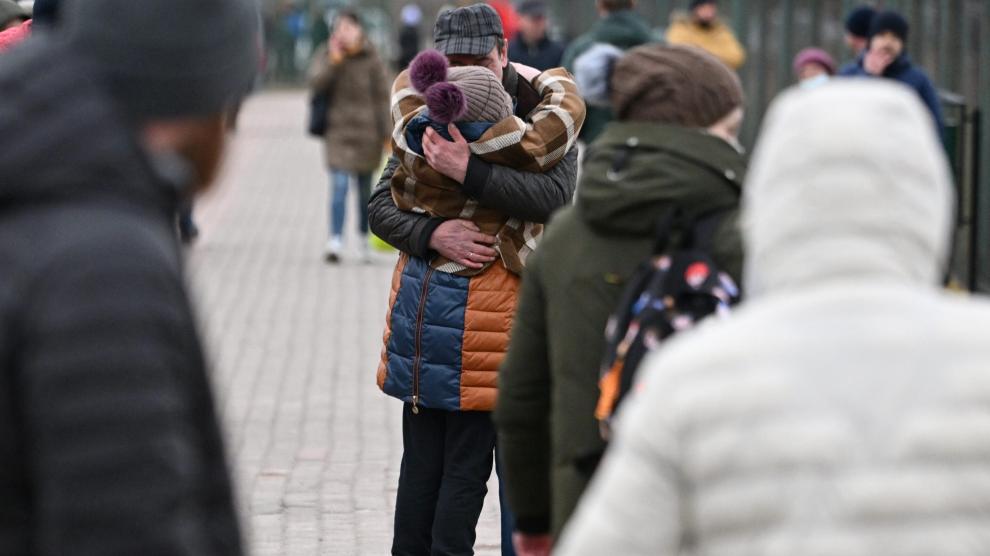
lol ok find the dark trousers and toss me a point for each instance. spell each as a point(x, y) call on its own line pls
point(446, 463)
point(508, 518)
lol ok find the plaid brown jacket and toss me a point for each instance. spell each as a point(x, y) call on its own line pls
point(535, 145)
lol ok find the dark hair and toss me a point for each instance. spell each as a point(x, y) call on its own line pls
point(859, 20)
point(616, 5)
point(349, 14)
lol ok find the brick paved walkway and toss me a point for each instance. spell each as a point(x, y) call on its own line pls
point(295, 345)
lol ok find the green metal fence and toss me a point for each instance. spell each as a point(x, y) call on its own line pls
point(949, 38)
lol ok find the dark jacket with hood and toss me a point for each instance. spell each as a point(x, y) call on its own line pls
point(109, 443)
point(548, 435)
point(545, 54)
point(905, 71)
point(623, 29)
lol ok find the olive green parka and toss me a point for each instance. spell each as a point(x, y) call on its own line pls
point(548, 385)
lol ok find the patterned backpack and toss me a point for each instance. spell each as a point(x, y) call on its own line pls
point(668, 293)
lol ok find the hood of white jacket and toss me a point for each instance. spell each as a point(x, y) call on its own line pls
point(848, 183)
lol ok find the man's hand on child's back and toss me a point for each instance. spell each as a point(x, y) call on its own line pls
point(525, 71)
point(462, 242)
point(448, 158)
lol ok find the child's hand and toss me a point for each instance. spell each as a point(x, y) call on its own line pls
point(448, 158)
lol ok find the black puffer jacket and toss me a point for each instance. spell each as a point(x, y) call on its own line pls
point(524, 195)
point(109, 442)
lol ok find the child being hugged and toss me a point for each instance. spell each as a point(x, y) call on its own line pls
point(432, 94)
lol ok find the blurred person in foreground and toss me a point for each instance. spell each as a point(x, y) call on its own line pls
point(843, 407)
point(813, 67)
point(703, 28)
point(678, 112)
point(618, 25)
point(446, 334)
point(887, 57)
point(532, 46)
point(352, 74)
point(108, 428)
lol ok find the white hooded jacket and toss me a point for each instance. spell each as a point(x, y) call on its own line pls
point(844, 409)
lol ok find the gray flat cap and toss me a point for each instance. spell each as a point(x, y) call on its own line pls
point(472, 31)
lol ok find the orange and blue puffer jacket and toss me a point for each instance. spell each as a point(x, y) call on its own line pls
point(446, 335)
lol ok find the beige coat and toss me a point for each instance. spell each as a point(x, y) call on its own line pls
point(358, 119)
point(843, 409)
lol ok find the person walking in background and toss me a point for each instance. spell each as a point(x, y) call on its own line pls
point(619, 26)
point(857, 35)
point(532, 47)
point(469, 103)
point(409, 39)
point(813, 67)
point(703, 28)
point(842, 408)
point(108, 429)
point(887, 57)
point(446, 334)
point(352, 75)
point(678, 112)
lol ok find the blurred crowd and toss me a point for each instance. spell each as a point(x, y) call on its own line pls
point(680, 349)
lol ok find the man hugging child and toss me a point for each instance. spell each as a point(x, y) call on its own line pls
point(432, 94)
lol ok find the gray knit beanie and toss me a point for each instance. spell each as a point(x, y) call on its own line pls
point(677, 85)
point(487, 100)
point(459, 94)
point(168, 58)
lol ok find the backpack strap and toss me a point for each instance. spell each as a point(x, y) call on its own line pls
point(668, 223)
point(704, 228)
point(676, 229)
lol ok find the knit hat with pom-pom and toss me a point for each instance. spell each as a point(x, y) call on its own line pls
point(461, 94)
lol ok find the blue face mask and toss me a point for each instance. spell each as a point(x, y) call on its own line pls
point(815, 82)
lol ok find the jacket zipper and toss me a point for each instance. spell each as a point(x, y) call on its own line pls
point(419, 341)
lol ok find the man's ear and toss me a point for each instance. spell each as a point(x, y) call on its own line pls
point(503, 51)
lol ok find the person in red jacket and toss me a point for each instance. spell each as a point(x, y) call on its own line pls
point(510, 18)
